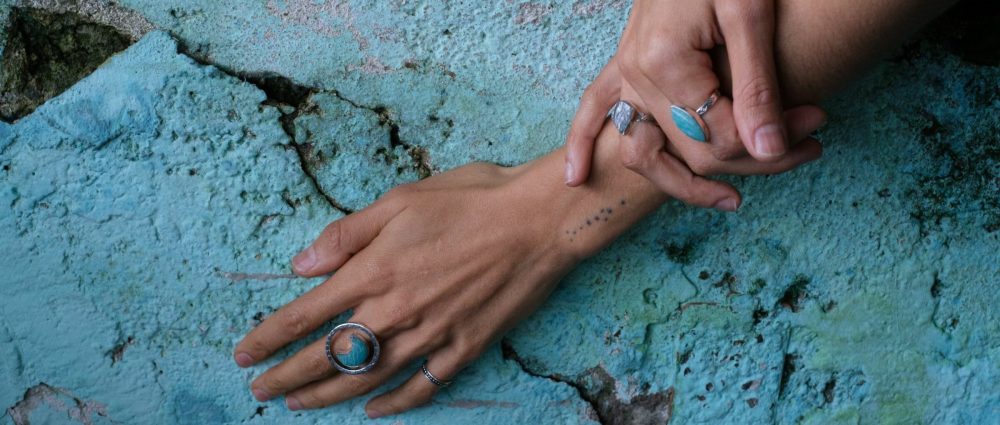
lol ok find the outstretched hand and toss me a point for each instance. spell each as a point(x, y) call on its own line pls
point(437, 269)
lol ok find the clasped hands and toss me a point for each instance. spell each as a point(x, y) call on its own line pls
point(439, 269)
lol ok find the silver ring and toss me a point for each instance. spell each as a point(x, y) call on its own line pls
point(708, 104)
point(689, 121)
point(371, 352)
point(430, 377)
point(623, 114)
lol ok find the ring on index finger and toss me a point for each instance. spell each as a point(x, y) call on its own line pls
point(623, 114)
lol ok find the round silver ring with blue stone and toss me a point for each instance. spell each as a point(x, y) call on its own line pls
point(623, 114)
point(434, 380)
point(362, 356)
point(689, 121)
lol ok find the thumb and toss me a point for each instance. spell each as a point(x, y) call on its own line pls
point(748, 27)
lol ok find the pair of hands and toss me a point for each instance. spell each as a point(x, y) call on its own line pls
point(440, 268)
point(665, 58)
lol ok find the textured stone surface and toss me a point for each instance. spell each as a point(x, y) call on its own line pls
point(148, 214)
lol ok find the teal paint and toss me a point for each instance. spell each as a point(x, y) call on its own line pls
point(686, 123)
point(357, 355)
point(158, 199)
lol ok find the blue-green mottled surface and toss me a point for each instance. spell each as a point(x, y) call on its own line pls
point(148, 213)
point(686, 123)
point(357, 355)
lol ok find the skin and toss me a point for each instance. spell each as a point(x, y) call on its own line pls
point(441, 268)
point(819, 48)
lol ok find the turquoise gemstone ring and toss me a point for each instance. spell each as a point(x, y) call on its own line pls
point(689, 121)
point(361, 357)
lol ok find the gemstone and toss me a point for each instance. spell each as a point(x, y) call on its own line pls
point(621, 114)
point(358, 354)
point(686, 123)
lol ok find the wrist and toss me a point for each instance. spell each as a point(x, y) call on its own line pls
point(583, 220)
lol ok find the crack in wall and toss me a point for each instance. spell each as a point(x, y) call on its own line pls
point(285, 94)
point(597, 388)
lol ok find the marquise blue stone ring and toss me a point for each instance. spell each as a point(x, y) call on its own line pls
point(623, 114)
point(362, 356)
point(689, 121)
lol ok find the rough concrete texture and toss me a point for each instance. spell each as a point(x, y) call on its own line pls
point(149, 211)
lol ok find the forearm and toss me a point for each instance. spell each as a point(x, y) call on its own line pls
point(822, 46)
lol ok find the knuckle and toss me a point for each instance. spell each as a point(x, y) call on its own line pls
point(702, 166)
point(334, 235)
point(362, 384)
point(399, 314)
point(293, 321)
point(317, 363)
point(633, 159)
point(309, 400)
point(273, 384)
point(591, 95)
point(421, 397)
point(650, 61)
point(742, 11)
point(758, 92)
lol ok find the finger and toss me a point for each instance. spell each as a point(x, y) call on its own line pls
point(675, 179)
point(396, 353)
point(748, 27)
point(588, 122)
point(727, 143)
point(308, 365)
point(642, 151)
point(802, 121)
point(341, 239)
point(298, 318)
point(806, 151)
point(419, 390)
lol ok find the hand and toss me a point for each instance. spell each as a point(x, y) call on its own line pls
point(437, 269)
point(663, 59)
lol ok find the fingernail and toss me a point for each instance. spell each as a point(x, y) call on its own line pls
point(293, 403)
point(569, 172)
point(261, 395)
point(728, 204)
point(244, 359)
point(305, 261)
point(373, 414)
point(769, 141)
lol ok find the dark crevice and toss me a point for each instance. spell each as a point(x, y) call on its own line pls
point(596, 387)
point(787, 369)
point(47, 52)
point(795, 294)
point(829, 390)
point(118, 352)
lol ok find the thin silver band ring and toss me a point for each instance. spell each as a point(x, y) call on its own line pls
point(434, 380)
